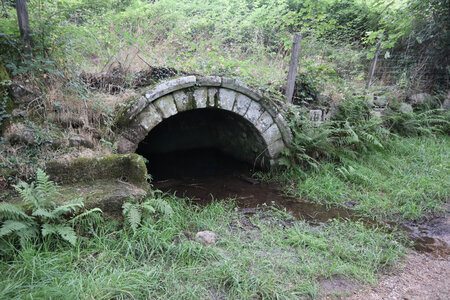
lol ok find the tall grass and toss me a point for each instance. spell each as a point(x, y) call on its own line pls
point(266, 256)
point(408, 179)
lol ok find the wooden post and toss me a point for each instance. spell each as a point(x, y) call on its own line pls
point(293, 67)
point(24, 25)
point(372, 68)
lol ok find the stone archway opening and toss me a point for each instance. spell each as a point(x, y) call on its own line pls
point(203, 142)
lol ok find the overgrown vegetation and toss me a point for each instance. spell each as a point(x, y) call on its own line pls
point(268, 255)
point(407, 179)
point(46, 222)
point(88, 57)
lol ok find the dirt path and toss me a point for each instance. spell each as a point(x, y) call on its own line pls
point(421, 276)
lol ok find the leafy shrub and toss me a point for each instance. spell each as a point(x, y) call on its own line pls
point(420, 123)
point(353, 130)
point(46, 220)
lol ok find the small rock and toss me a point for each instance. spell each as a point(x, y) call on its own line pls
point(381, 101)
point(80, 141)
point(206, 238)
point(419, 98)
point(22, 94)
point(20, 134)
point(18, 113)
point(406, 108)
point(379, 112)
point(315, 115)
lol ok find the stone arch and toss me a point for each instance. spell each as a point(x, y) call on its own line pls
point(191, 92)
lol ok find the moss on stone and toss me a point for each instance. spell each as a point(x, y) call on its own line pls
point(191, 104)
point(124, 167)
point(9, 102)
point(108, 195)
point(121, 119)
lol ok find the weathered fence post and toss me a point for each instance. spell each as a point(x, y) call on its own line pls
point(24, 25)
point(372, 68)
point(293, 67)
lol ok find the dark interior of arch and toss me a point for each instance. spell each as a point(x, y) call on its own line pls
point(203, 142)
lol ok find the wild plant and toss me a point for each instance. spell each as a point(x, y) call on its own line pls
point(40, 217)
point(140, 213)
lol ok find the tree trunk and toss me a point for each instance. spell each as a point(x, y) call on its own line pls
point(24, 25)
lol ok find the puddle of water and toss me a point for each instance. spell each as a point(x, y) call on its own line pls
point(432, 237)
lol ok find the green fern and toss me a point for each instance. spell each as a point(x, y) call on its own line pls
point(138, 213)
point(12, 212)
point(46, 219)
point(67, 233)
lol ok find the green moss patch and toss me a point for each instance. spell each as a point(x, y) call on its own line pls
point(128, 168)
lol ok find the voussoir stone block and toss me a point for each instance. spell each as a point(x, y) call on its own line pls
point(254, 112)
point(149, 117)
point(181, 100)
point(272, 134)
point(226, 99)
point(264, 122)
point(241, 105)
point(201, 97)
point(166, 105)
point(275, 148)
point(213, 96)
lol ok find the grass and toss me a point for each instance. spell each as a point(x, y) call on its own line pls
point(267, 255)
point(410, 179)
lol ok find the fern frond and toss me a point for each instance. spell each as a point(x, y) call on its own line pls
point(10, 226)
point(41, 212)
point(65, 232)
point(134, 217)
point(12, 212)
point(160, 206)
point(72, 206)
point(95, 212)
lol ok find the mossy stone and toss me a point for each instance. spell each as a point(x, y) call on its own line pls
point(124, 167)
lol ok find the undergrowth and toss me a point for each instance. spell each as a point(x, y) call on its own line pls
point(273, 257)
point(407, 179)
point(40, 220)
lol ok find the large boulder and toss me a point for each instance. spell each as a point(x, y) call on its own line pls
point(420, 98)
point(105, 181)
point(19, 133)
point(124, 167)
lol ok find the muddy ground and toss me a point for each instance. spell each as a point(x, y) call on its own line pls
point(423, 274)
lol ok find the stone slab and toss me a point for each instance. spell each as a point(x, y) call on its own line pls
point(209, 81)
point(241, 87)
